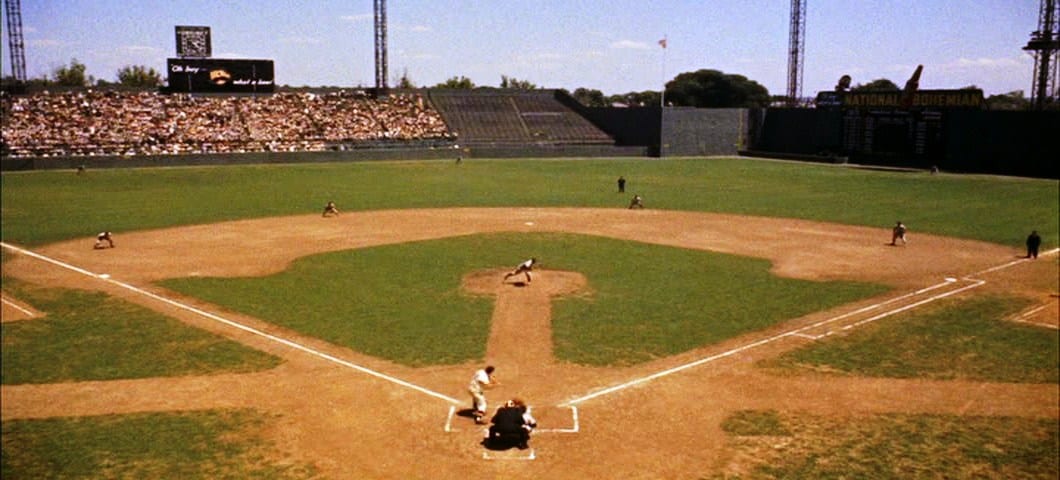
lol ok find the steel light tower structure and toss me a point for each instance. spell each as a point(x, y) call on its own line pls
point(380, 45)
point(1045, 45)
point(13, 9)
point(796, 50)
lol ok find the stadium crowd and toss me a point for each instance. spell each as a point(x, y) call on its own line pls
point(148, 123)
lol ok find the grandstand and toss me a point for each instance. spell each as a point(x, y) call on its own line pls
point(123, 128)
point(506, 117)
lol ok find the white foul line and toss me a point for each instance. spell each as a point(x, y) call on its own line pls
point(16, 307)
point(274, 338)
point(798, 331)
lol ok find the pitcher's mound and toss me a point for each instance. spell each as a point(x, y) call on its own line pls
point(553, 282)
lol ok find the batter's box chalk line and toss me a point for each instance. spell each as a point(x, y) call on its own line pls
point(450, 424)
point(507, 455)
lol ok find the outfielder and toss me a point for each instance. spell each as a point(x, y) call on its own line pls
point(480, 381)
point(523, 268)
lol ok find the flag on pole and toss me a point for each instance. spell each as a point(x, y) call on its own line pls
point(662, 43)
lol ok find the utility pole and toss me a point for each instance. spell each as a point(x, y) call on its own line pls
point(16, 46)
point(380, 45)
point(796, 51)
point(1044, 45)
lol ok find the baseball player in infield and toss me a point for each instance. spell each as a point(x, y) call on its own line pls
point(480, 381)
point(523, 268)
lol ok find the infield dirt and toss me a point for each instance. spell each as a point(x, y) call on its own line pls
point(354, 425)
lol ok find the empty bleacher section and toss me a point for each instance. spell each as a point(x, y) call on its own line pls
point(514, 117)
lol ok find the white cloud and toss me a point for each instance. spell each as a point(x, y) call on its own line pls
point(546, 56)
point(409, 28)
point(630, 45)
point(298, 40)
point(363, 17)
point(47, 43)
point(983, 62)
point(140, 49)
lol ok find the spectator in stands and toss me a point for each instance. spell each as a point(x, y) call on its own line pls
point(146, 123)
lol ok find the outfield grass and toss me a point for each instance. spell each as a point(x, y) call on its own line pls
point(91, 336)
point(42, 207)
point(964, 339)
point(894, 446)
point(191, 445)
point(403, 302)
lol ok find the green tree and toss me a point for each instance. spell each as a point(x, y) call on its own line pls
point(511, 82)
point(405, 81)
point(1008, 101)
point(72, 75)
point(460, 82)
point(139, 76)
point(647, 98)
point(714, 89)
point(590, 98)
point(878, 85)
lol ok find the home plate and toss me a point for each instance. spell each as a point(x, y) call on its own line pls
point(510, 454)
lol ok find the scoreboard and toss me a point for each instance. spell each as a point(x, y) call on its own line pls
point(217, 75)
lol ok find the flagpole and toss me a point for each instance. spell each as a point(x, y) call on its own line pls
point(662, 95)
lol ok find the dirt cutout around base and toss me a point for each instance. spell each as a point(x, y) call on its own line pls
point(353, 425)
point(15, 310)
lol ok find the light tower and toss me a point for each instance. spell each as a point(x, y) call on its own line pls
point(796, 47)
point(380, 45)
point(16, 46)
point(1045, 44)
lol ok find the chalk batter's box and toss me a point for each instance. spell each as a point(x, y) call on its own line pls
point(550, 419)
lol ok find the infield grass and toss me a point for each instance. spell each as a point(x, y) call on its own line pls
point(92, 336)
point(404, 302)
point(967, 339)
point(892, 446)
point(190, 445)
point(47, 206)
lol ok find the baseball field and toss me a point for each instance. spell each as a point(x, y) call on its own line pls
point(753, 321)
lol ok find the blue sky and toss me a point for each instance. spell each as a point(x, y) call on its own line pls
point(608, 45)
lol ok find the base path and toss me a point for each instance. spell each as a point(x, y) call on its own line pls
point(354, 425)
